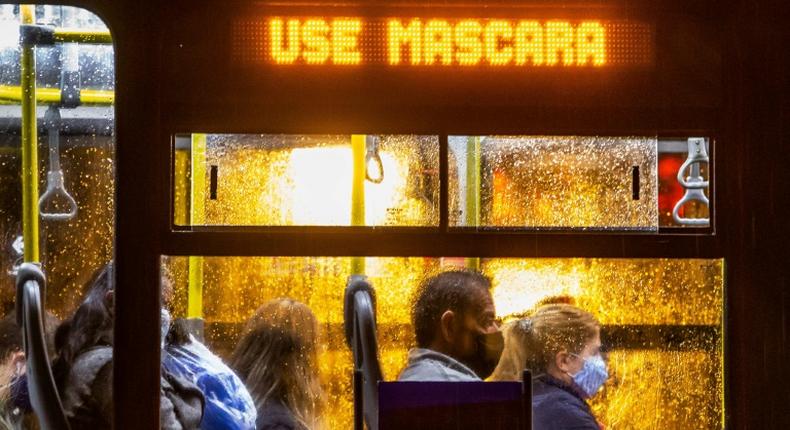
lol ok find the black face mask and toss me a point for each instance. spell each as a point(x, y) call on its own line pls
point(489, 350)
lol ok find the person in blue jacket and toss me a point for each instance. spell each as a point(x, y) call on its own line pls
point(561, 345)
point(228, 403)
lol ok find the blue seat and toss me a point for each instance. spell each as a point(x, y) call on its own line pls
point(455, 405)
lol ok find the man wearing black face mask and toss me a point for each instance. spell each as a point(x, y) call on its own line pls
point(457, 335)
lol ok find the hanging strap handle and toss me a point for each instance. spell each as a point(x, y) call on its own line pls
point(694, 183)
point(373, 159)
point(55, 185)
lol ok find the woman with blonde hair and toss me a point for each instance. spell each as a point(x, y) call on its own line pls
point(277, 359)
point(560, 343)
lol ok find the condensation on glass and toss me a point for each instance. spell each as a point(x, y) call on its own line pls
point(306, 180)
point(662, 320)
point(554, 182)
point(71, 248)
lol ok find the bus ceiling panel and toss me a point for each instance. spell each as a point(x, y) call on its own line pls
point(431, 243)
point(277, 57)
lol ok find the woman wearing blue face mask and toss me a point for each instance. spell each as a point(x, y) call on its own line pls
point(561, 344)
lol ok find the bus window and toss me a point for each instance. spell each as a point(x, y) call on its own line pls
point(578, 182)
point(65, 137)
point(305, 180)
point(661, 320)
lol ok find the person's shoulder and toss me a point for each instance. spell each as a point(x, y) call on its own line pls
point(564, 409)
point(88, 364)
point(427, 365)
point(96, 356)
point(276, 416)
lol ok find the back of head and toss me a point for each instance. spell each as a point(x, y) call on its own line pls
point(91, 324)
point(277, 359)
point(456, 290)
point(532, 342)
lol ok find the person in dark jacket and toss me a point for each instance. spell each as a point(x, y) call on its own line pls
point(277, 358)
point(83, 368)
point(560, 344)
point(457, 336)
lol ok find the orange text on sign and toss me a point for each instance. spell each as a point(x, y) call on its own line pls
point(418, 42)
point(315, 41)
point(495, 42)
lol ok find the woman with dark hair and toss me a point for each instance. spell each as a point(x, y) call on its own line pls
point(277, 359)
point(83, 367)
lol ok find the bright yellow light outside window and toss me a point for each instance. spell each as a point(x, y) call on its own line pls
point(319, 201)
point(517, 288)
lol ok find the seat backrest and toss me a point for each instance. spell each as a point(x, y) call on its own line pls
point(30, 284)
point(455, 405)
point(360, 327)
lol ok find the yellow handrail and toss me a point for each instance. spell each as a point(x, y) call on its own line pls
point(29, 143)
point(75, 35)
point(358, 150)
point(472, 213)
point(52, 95)
point(197, 192)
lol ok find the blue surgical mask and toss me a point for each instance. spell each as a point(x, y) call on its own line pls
point(592, 376)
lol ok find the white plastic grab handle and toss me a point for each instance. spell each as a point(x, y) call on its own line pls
point(697, 153)
point(691, 194)
point(54, 187)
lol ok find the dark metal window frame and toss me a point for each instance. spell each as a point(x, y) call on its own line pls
point(442, 240)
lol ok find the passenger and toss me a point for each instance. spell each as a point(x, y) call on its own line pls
point(228, 403)
point(277, 357)
point(83, 368)
point(15, 408)
point(457, 335)
point(560, 344)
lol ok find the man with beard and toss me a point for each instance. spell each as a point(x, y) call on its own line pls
point(457, 334)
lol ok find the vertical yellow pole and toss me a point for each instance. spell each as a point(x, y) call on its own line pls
point(29, 143)
point(358, 151)
point(473, 190)
point(197, 205)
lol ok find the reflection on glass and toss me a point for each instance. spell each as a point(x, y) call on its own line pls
point(282, 180)
point(554, 182)
point(662, 319)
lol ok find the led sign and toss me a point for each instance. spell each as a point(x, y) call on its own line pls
point(437, 42)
